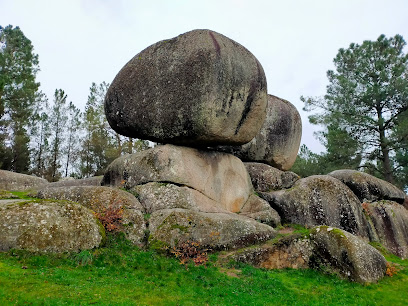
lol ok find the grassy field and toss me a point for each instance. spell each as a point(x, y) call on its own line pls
point(122, 274)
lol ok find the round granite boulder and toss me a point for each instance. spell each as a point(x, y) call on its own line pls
point(13, 181)
point(199, 88)
point(319, 200)
point(277, 142)
point(48, 226)
point(368, 187)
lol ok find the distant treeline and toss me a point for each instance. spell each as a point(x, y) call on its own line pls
point(51, 140)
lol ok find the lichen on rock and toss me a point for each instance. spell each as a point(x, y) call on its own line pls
point(49, 226)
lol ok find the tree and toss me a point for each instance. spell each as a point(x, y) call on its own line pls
point(366, 99)
point(73, 127)
point(40, 134)
point(101, 144)
point(18, 97)
point(58, 119)
point(307, 163)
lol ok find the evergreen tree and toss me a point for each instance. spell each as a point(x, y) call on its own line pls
point(72, 145)
point(18, 97)
point(100, 145)
point(40, 134)
point(365, 99)
point(58, 119)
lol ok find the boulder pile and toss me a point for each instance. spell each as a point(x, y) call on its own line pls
point(220, 176)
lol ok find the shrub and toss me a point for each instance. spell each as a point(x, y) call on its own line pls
point(110, 217)
point(391, 269)
point(366, 208)
point(190, 250)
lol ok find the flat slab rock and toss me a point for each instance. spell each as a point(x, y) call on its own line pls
point(19, 182)
point(102, 200)
point(368, 187)
point(277, 142)
point(319, 200)
point(46, 226)
point(218, 231)
point(221, 177)
point(198, 89)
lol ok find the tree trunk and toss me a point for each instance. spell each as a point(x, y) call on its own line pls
point(387, 171)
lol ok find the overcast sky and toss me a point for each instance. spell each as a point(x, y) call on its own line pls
point(85, 41)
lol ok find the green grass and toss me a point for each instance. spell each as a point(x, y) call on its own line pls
point(25, 195)
point(122, 274)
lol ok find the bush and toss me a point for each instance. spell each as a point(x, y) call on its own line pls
point(190, 250)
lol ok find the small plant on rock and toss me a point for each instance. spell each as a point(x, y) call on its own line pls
point(366, 208)
point(111, 217)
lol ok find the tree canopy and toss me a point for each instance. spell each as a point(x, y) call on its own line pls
point(18, 97)
point(366, 105)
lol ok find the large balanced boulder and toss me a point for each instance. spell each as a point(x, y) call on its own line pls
point(265, 178)
point(368, 187)
point(19, 182)
point(48, 226)
point(105, 201)
point(277, 142)
point(319, 200)
point(219, 176)
point(199, 88)
point(347, 255)
point(218, 231)
point(389, 222)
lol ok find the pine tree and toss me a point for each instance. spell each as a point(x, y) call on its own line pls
point(58, 119)
point(366, 98)
point(71, 146)
point(18, 97)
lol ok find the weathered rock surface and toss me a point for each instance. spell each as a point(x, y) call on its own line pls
point(258, 209)
point(102, 200)
point(319, 200)
point(277, 143)
point(219, 176)
point(156, 196)
point(347, 255)
point(368, 187)
point(214, 230)
point(46, 226)
point(19, 182)
point(266, 178)
point(389, 226)
point(199, 88)
point(292, 251)
point(90, 181)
